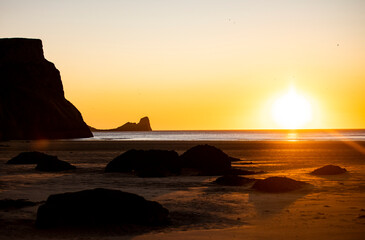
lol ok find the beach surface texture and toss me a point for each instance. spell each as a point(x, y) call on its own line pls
point(328, 207)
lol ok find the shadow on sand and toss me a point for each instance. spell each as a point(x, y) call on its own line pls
point(268, 204)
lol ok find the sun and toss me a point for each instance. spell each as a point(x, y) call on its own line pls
point(292, 111)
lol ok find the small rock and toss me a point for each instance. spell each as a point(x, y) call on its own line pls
point(278, 185)
point(6, 204)
point(329, 170)
point(29, 158)
point(53, 164)
point(233, 180)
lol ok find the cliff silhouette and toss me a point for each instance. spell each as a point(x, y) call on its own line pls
point(32, 101)
point(143, 125)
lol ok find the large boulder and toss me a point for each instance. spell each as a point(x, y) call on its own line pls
point(329, 170)
point(278, 185)
point(29, 158)
point(233, 180)
point(207, 160)
point(97, 207)
point(53, 164)
point(32, 101)
point(150, 163)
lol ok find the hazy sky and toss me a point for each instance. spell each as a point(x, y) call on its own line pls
point(201, 64)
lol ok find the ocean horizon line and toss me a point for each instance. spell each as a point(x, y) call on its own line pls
point(256, 129)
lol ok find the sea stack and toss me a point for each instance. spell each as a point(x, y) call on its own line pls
point(32, 101)
point(143, 125)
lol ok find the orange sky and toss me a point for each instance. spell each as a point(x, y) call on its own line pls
point(201, 64)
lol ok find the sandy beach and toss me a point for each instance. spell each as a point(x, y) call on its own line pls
point(332, 207)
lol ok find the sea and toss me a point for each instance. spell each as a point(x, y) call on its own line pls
point(233, 135)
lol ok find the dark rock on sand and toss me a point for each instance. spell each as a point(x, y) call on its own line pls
point(278, 185)
point(29, 158)
point(53, 164)
point(8, 204)
point(208, 160)
point(99, 207)
point(45, 162)
point(233, 180)
point(150, 163)
point(32, 101)
point(329, 170)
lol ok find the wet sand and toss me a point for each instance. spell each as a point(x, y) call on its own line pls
point(333, 207)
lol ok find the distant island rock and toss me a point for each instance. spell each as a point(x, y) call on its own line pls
point(143, 125)
point(32, 101)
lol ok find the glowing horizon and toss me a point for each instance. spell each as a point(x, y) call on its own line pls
point(201, 65)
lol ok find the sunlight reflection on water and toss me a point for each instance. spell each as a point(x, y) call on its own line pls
point(292, 137)
point(232, 135)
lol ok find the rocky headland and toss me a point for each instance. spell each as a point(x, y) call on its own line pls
point(32, 101)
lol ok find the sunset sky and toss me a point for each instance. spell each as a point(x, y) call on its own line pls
point(201, 64)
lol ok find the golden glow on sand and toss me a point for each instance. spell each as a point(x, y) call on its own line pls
point(292, 110)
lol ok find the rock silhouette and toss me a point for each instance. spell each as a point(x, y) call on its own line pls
point(9, 204)
point(143, 125)
point(150, 163)
point(29, 158)
point(207, 160)
point(329, 170)
point(32, 102)
point(233, 180)
point(53, 164)
point(203, 160)
point(97, 207)
point(278, 185)
point(45, 162)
